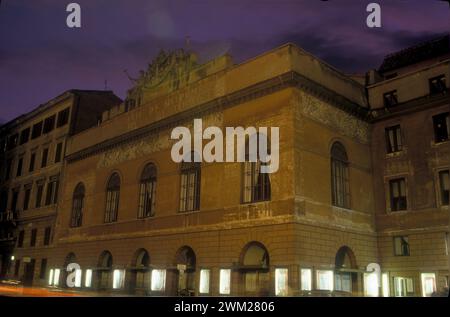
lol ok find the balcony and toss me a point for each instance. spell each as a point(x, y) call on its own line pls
point(8, 216)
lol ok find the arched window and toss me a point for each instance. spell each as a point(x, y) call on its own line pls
point(104, 269)
point(256, 184)
point(147, 191)
point(112, 198)
point(190, 185)
point(77, 206)
point(340, 189)
point(254, 269)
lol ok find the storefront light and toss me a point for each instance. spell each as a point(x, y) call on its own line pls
point(371, 284)
point(385, 284)
point(281, 282)
point(88, 278)
point(306, 279)
point(225, 280)
point(78, 278)
point(50, 277)
point(325, 280)
point(118, 279)
point(56, 277)
point(428, 284)
point(204, 281)
point(158, 280)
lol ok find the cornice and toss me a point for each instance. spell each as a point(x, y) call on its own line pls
point(286, 80)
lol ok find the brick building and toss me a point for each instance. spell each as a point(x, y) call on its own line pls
point(359, 204)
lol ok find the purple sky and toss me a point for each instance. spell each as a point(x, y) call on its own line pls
point(40, 57)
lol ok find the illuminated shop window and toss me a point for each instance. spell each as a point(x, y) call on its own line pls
point(88, 278)
point(371, 284)
point(281, 282)
point(204, 281)
point(385, 284)
point(225, 280)
point(306, 279)
point(56, 277)
point(118, 279)
point(78, 278)
point(403, 286)
point(325, 280)
point(158, 280)
point(50, 277)
point(428, 284)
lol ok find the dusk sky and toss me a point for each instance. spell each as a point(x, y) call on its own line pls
point(40, 57)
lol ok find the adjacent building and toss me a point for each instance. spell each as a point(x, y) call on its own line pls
point(32, 159)
point(358, 206)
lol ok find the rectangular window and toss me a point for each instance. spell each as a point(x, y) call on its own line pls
point(19, 167)
point(118, 279)
point(39, 191)
point(385, 284)
point(437, 85)
point(371, 285)
point(158, 280)
point(37, 130)
point(17, 268)
point(397, 188)
point(190, 189)
point(393, 139)
point(325, 280)
point(403, 286)
point(58, 152)
point(43, 269)
point(12, 141)
point(15, 198)
point(428, 284)
point(32, 162)
point(52, 193)
point(26, 198)
point(225, 280)
point(204, 281)
point(24, 136)
point(88, 278)
point(33, 237)
point(44, 157)
point(401, 246)
point(390, 98)
point(56, 277)
point(8, 169)
point(256, 184)
point(281, 282)
point(20, 239)
point(441, 124)
point(50, 277)
point(63, 117)
point(49, 124)
point(444, 186)
point(78, 274)
point(47, 235)
point(306, 279)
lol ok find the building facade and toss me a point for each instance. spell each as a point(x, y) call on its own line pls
point(358, 206)
point(33, 149)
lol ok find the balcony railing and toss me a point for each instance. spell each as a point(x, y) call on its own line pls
point(8, 216)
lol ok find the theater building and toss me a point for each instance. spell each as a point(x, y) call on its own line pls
point(32, 153)
point(358, 206)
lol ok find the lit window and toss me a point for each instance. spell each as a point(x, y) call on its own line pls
point(371, 284)
point(385, 284)
point(50, 277)
point(225, 279)
point(204, 281)
point(118, 279)
point(306, 279)
point(158, 280)
point(428, 284)
point(78, 278)
point(325, 280)
point(281, 282)
point(403, 286)
point(88, 278)
point(56, 277)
